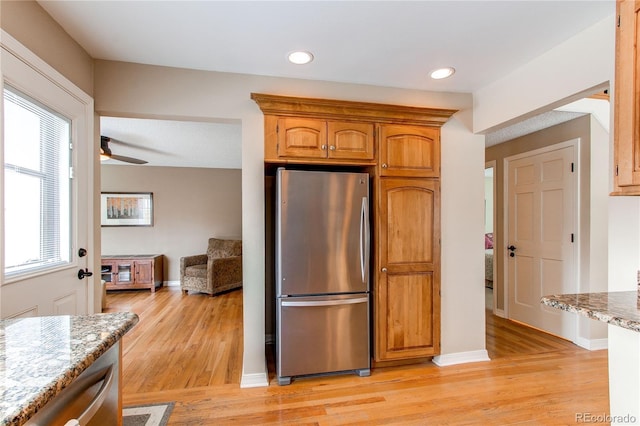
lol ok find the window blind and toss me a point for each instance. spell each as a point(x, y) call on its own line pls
point(37, 186)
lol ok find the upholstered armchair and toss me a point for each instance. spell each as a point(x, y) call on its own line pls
point(220, 269)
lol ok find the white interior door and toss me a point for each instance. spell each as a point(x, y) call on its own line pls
point(541, 212)
point(52, 286)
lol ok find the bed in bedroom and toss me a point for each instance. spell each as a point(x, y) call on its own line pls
point(488, 260)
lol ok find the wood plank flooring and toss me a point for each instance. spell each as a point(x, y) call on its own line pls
point(188, 349)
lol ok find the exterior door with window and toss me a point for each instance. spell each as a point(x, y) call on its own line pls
point(46, 147)
point(541, 224)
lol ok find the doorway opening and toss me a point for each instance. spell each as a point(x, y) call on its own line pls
point(586, 120)
point(489, 235)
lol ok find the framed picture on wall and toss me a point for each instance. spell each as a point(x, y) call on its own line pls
point(126, 209)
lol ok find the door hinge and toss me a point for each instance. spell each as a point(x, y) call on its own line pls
point(618, 21)
point(71, 172)
point(572, 166)
point(572, 238)
point(616, 170)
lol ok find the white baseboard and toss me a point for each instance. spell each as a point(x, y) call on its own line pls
point(255, 380)
point(592, 344)
point(461, 358)
point(171, 283)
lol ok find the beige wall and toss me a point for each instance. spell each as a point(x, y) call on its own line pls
point(189, 206)
point(593, 211)
point(32, 26)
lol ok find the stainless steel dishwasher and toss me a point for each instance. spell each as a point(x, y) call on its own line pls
point(93, 399)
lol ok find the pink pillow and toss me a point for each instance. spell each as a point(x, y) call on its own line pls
point(488, 241)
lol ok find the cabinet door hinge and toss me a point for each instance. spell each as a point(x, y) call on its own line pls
point(71, 172)
point(572, 167)
point(616, 170)
point(572, 238)
point(618, 21)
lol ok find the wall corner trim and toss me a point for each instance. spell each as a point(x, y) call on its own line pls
point(461, 358)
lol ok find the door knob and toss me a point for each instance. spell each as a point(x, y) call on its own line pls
point(511, 247)
point(84, 273)
point(384, 269)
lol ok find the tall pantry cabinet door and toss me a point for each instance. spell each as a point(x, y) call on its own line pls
point(302, 138)
point(407, 297)
point(409, 151)
point(627, 99)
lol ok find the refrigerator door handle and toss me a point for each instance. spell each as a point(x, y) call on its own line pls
point(328, 302)
point(364, 232)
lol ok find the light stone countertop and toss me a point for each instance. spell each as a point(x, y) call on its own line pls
point(621, 308)
point(40, 356)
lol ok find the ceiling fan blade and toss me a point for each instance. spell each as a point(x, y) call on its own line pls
point(107, 153)
point(127, 159)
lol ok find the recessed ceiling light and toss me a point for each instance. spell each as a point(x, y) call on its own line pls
point(300, 57)
point(441, 73)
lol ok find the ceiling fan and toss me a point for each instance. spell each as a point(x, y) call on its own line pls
point(106, 154)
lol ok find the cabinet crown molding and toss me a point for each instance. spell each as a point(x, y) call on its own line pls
point(360, 111)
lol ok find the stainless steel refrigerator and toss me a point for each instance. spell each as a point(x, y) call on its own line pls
point(322, 273)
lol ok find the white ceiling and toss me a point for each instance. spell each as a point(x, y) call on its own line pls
point(174, 143)
point(384, 43)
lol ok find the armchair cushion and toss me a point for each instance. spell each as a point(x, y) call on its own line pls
point(198, 271)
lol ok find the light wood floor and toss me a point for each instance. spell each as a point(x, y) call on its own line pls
point(188, 349)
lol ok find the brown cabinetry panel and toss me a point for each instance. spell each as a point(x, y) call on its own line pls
point(350, 140)
point(409, 319)
point(407, 296)
point(627, 100)
point(411, 151)
point(302, 138)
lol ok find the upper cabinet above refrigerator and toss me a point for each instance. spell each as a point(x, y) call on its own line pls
point(345, 133)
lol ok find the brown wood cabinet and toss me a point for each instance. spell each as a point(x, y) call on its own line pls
point(403, 143)
point(320, 139)
point(411, 151)
point(627, 100)
point(132, 272)
point(407, 289)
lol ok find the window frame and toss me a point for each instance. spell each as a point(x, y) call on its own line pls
point(49, 180)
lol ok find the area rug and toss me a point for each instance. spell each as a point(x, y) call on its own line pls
point(147, 415)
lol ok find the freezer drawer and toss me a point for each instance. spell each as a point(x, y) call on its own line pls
point(322, 334)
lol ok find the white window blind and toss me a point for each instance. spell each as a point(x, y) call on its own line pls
point(37, 186)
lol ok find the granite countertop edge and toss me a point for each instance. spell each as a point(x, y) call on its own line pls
point(622, 312)
point(26, 409)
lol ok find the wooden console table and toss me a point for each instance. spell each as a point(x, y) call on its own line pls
point(126, 272)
